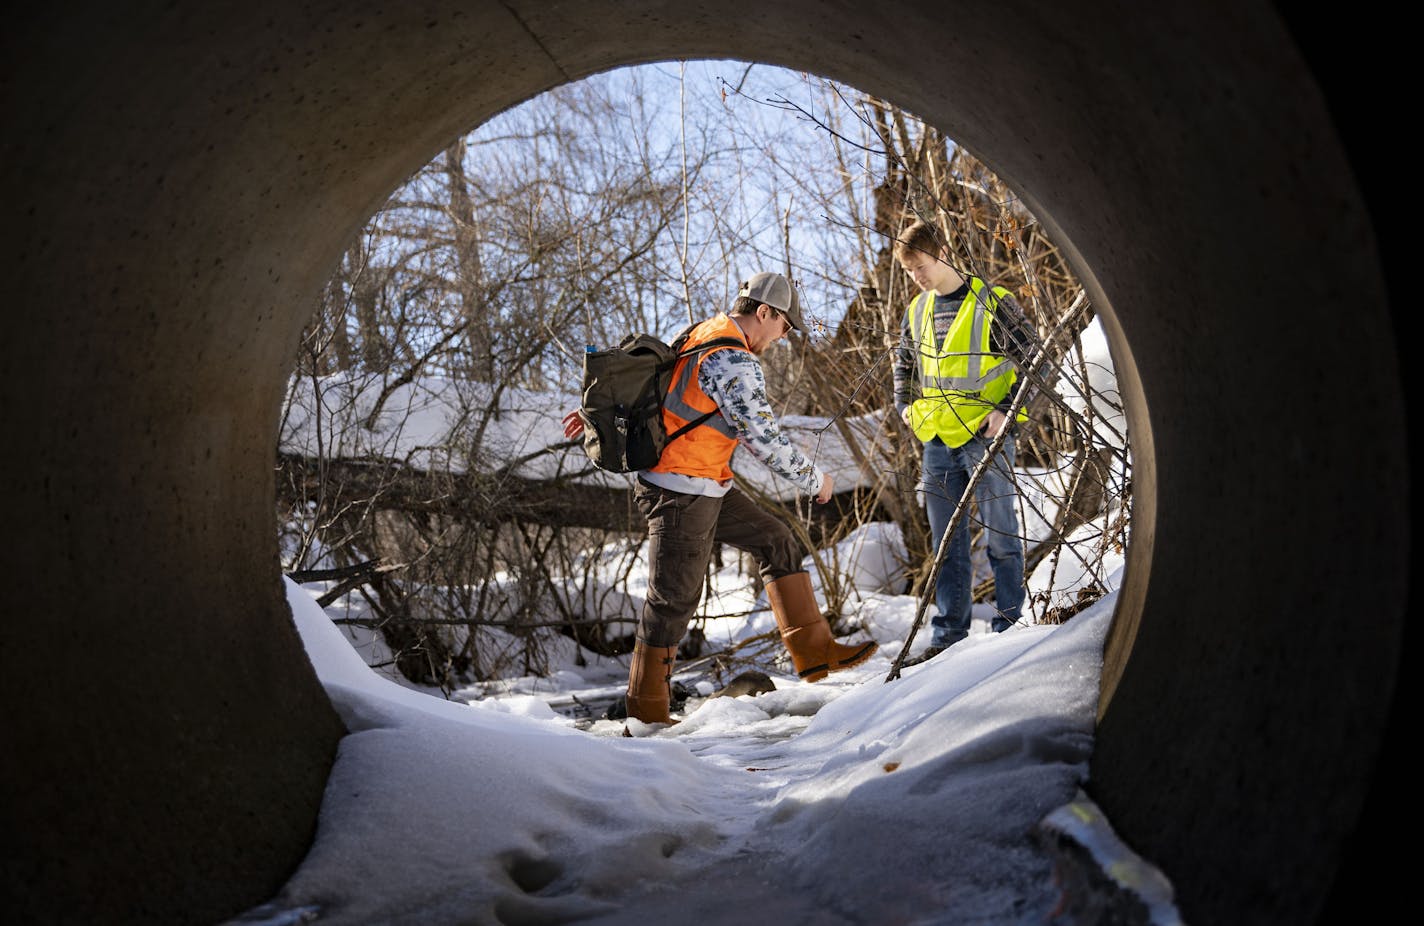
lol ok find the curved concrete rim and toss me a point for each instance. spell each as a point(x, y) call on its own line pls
point(183, 181)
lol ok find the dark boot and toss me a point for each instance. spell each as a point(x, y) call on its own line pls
point(650, 682)
point(806, 632)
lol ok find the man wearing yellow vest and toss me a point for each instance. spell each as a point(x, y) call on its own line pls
point(955, 376)
point(691, 503)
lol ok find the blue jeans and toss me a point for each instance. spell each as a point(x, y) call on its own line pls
point(944, 475)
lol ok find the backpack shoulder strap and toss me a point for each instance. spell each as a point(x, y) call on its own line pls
point(727, 341)
point(705, 345)
point(681, 337)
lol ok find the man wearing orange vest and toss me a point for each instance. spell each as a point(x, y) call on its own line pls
point(955, 374)
point(691, 503)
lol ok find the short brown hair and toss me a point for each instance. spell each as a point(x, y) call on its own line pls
point(918, 237)
point(745, 305)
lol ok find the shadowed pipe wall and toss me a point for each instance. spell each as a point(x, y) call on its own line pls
point(181, 180)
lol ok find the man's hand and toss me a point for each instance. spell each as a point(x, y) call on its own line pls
point(994, 424)
point(573, 424)
point(824, 495)
point(905, 416)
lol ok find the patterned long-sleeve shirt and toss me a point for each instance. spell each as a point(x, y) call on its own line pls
point(1009, 336)
point(735, 381)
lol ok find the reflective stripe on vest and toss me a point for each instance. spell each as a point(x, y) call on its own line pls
point(957, 392)
point(705, 450)
point(958, 366)
point(676, 402)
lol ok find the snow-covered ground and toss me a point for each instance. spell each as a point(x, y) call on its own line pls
point(853, 800)
point(937, 797)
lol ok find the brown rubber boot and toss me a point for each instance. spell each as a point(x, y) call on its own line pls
point(650, 682)
point(806, 632)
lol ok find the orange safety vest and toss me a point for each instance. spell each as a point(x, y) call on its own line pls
point(706, 450)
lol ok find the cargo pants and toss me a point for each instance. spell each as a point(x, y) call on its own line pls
point(681, 532)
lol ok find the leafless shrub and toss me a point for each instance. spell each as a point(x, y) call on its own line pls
point(569, 221)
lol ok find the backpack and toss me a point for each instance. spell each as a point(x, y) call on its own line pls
point(622, 407)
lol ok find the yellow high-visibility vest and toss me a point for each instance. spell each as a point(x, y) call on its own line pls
point(961, 382)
